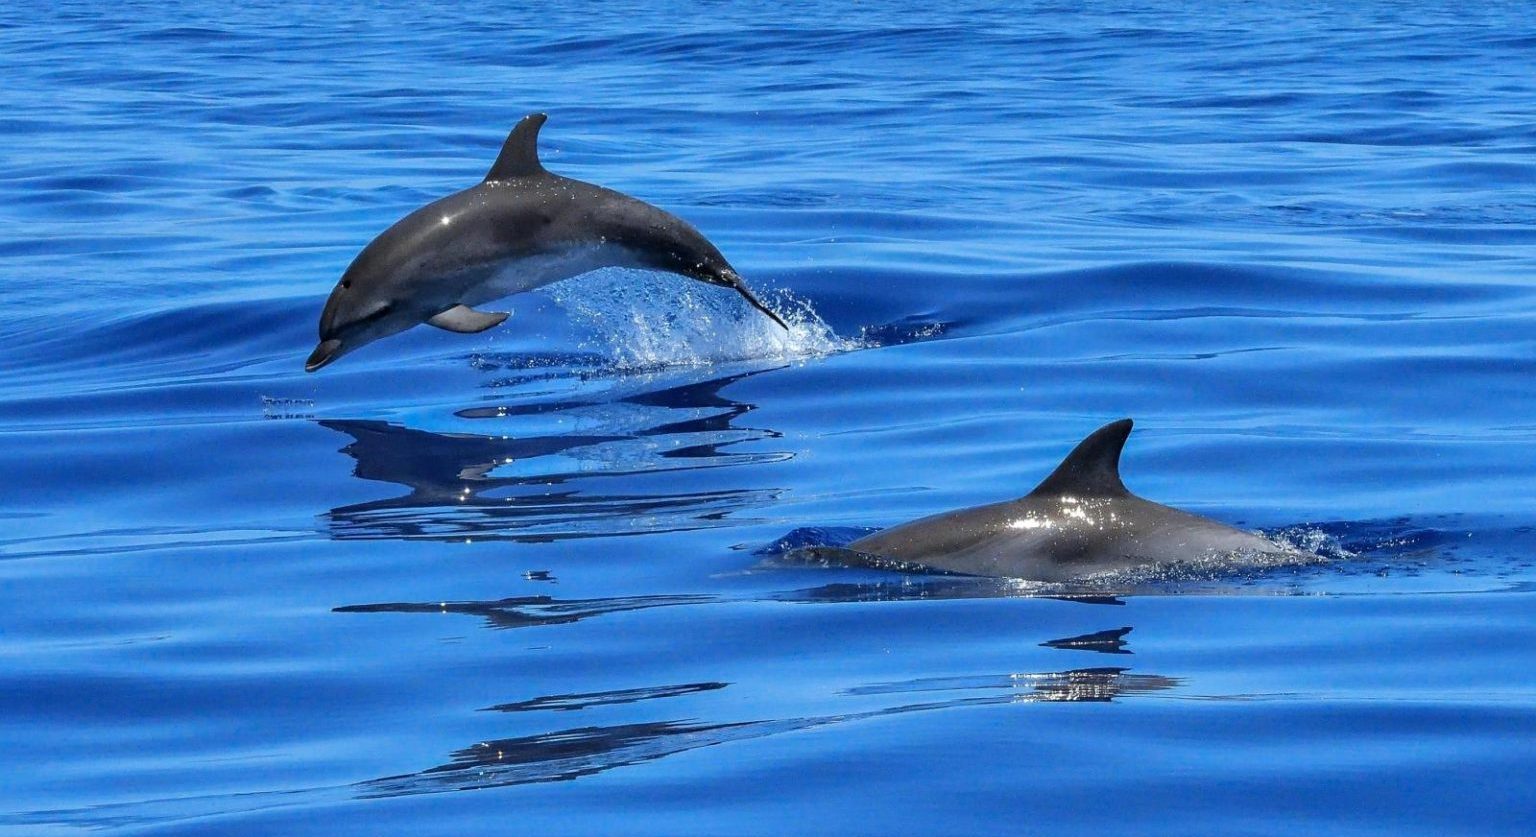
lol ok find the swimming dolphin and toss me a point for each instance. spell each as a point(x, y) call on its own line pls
point(520, 228)
point(1081, 520)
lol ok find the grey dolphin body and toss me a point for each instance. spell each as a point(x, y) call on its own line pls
point(1081, 520)
point(520, 228)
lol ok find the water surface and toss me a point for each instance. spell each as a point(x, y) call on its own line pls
point(1293, 241)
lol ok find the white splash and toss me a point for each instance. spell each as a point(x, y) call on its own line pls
point(1311, 539)
point(651, 322)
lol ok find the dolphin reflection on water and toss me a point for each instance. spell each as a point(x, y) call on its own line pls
point(573, 753)
point(554, 486)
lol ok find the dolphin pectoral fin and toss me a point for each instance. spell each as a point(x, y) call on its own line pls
point(466, 320)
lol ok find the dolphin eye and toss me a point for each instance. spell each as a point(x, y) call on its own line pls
point(346, 283)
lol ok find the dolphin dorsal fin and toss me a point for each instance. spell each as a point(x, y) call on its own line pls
point(520, 153)
point(1092, 469)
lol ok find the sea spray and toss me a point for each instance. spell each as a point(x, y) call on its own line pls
point(658, 323)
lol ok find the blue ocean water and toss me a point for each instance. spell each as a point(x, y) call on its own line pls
point(1294, 241)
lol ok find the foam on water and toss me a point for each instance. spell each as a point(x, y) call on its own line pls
point(646, 323)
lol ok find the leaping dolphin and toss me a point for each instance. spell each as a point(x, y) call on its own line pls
point(520, 228)
point(1080, 521)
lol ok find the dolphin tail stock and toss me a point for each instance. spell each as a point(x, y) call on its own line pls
point(733, 281)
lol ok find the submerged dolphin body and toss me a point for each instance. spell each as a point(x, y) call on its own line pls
point(520, 228)
point(1080, 521)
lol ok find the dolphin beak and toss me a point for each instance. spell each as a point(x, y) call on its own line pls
point(323, 354)
point(733, 280)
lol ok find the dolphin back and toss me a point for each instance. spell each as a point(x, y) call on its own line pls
point(1079, 521)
